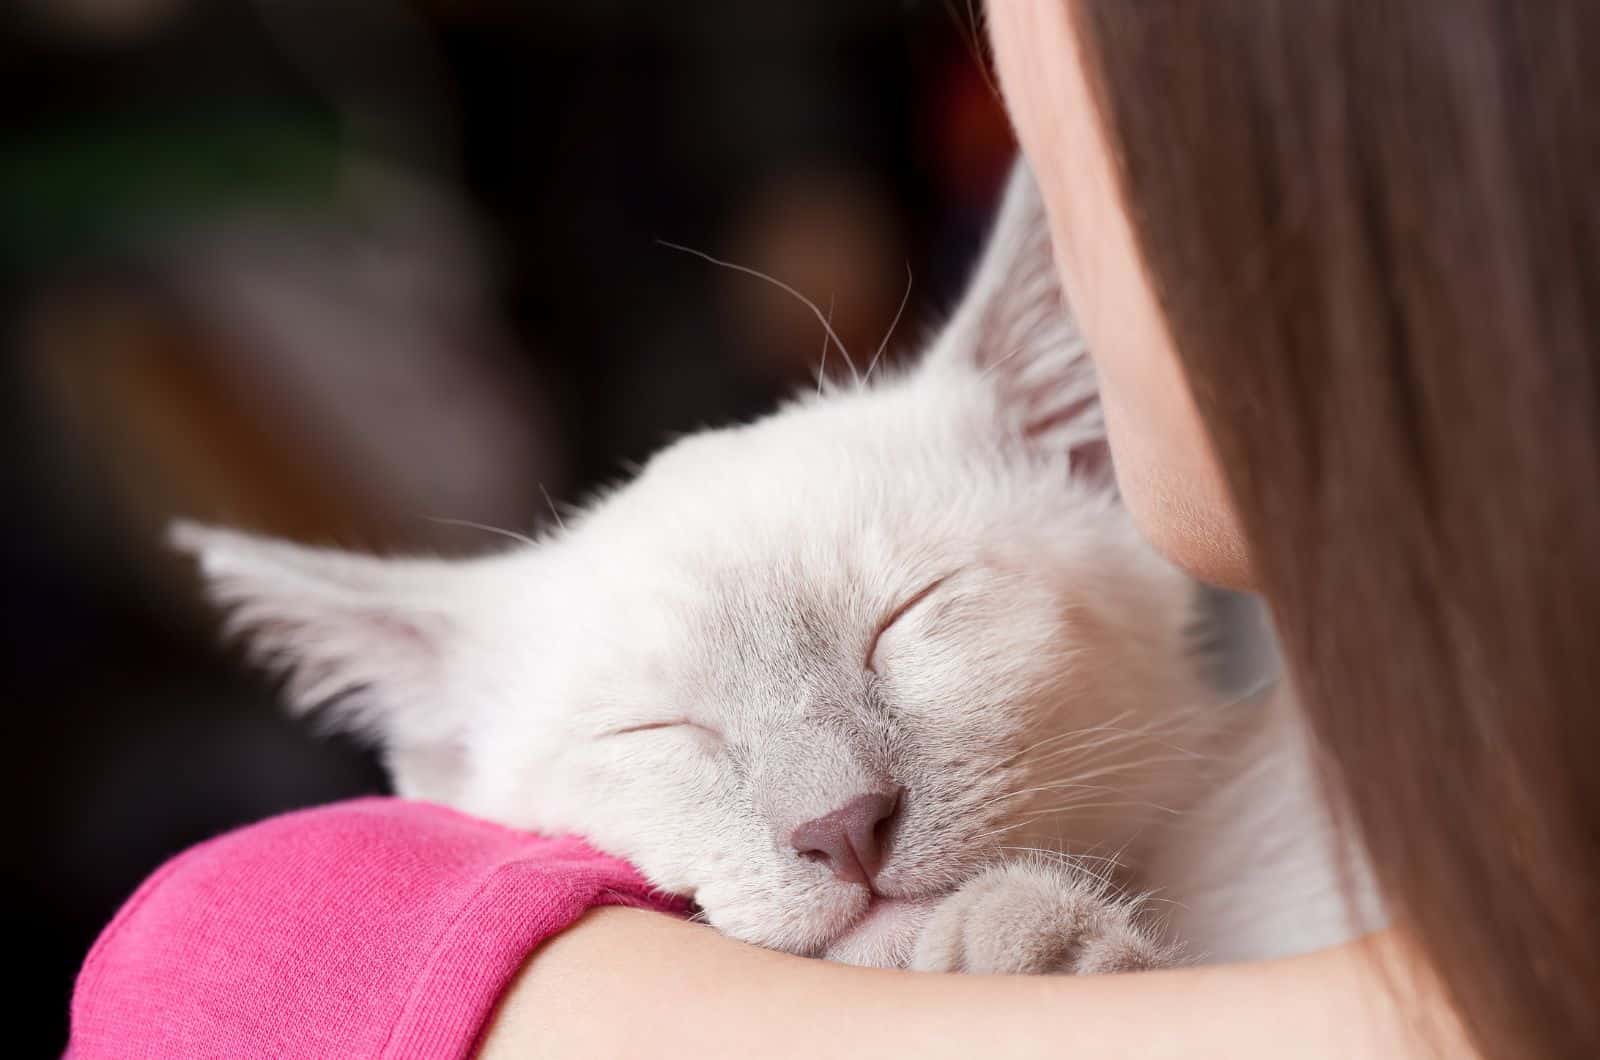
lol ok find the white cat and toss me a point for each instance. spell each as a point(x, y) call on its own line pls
point(865, 679)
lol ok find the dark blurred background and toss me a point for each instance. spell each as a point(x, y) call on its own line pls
point(348, 271)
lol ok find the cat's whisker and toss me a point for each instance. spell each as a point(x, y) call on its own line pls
point(1110, 724)
point(1109, 732)
point(1102, 876)
point(997, 364)
point(904, 298)
point(559, 521)
point(1078, 808)
point(822, 362)
point(1003, 830)
point(1062, 785)
point(1096, 761)
point(1064, 757)
point(1119, 767)
point(827, 326)
point(485, 527)
point(1054, 739)
point(1112, 736)
point(972, 34)
point(1113, 861)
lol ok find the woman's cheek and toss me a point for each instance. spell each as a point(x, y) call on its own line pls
point(1174, 489)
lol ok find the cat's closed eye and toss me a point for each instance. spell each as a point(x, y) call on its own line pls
point(872, 661)
point(674, 723)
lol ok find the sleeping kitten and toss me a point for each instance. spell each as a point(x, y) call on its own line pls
point(868, 679)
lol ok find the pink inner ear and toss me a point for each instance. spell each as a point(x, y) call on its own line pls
point(1057, 415)
point(1091, 462)
point(1089, 458)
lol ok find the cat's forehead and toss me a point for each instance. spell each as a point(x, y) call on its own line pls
point(804, 449)
point(868, 462)
point(783, 610)
point(785, 527)
point(767, 631)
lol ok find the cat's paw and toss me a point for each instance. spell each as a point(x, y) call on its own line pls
point(1033, 918)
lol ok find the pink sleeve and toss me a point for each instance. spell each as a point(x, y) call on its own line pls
point(375, 928)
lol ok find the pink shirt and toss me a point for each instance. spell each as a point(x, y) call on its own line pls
point(374, 928)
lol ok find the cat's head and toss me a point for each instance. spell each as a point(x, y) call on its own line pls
point(874, 638)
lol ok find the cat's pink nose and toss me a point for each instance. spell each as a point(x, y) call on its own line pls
point(851, 840)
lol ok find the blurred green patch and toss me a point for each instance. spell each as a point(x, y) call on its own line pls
point(98, 187)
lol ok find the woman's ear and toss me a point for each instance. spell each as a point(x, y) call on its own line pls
point(1014, 338)
point(372, 643)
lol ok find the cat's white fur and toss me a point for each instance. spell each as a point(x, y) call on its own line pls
point(687, 672)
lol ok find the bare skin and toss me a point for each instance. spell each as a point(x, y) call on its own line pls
point(628, 983)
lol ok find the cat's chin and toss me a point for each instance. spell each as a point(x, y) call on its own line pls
point(884, 935)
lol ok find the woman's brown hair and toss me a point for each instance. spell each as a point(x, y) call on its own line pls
point(1374, 230)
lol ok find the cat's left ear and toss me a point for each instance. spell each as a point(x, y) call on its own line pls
point(1013, 338)
point(375, 645)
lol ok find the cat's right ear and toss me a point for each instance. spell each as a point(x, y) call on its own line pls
point(373, 643)
point(1013, 338)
